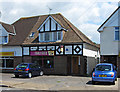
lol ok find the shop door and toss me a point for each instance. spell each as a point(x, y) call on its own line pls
point(69, 65)
point(75, 65)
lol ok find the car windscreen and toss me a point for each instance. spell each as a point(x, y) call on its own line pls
point(103, 68)
point(22, 66)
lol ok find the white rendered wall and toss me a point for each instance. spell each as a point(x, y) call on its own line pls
point(108, 45)
point(16, 49)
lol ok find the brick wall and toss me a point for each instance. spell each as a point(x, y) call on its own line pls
point(27, 59)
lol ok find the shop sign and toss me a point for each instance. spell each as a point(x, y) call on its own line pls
point(6, 53)
point(42, 48)
point(42, 53)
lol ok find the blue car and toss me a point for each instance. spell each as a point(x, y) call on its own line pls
point(28, 69)
point(104, 72)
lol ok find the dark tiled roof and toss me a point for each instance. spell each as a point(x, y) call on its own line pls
point(25, 26)
point(9, 28)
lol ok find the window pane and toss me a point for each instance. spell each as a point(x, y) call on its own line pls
point(2, 63)
point(9, 63)
point(46, 36)
point(55, 36)
point(116, 28)
point(59, 35)
point(41, 36)
point(116, 35)
point(5, 39)
point(48, 63)
point(50, 36)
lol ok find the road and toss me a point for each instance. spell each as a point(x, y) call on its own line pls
point(53, 82)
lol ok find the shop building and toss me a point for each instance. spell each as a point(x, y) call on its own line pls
point(9, 54)
point(56, 44)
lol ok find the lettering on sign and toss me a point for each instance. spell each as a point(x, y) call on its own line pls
point(42, 53)
point(42, 48)
point(50, 47)
point(33, 48)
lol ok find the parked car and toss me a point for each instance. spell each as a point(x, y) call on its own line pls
point(28, 69)
point(104, 72)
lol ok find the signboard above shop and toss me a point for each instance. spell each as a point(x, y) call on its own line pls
point(41, 53)
point(6, 53)
point(69, 49)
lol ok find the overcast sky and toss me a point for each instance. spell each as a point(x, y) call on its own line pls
point(86, 15)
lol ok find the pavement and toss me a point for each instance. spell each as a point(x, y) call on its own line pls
point(52, 82)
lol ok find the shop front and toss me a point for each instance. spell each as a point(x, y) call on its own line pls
point(57, 59)
point(6, 61)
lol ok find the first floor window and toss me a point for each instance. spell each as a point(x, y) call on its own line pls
point(59, 35)
point(50, 36)
point(116, 35)
point(6, 63)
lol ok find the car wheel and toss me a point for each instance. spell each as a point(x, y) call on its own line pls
point(29, 75)
point(41, 73)
point(115, 79)
point(16, 76)
point(113, 82)
point(93, 82)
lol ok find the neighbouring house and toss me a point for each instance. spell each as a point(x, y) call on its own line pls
point(110, 39)
point(56, 44)
point(8, 53)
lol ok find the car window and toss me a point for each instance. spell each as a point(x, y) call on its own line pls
point(103, 68)
point(33, 66)
point(22, 66)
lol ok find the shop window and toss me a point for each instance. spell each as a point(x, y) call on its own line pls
point(9, 63)
point(6, 63)
point(48, 63)
point(44, 61)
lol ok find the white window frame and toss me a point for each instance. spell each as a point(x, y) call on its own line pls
point(3, 40)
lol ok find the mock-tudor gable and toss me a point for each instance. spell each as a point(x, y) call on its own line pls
point(50, 24)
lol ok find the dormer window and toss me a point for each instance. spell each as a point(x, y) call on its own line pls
point(32, 34)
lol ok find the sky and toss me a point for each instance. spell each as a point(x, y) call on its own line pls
point(86, 15)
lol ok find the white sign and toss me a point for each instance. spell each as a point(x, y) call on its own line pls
point(68, 49)
point(25, 50)
point(33, 48)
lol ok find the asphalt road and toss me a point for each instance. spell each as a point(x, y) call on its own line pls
point(52, 83)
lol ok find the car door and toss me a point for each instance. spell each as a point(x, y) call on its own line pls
point(37, 69)
point(31, 69)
